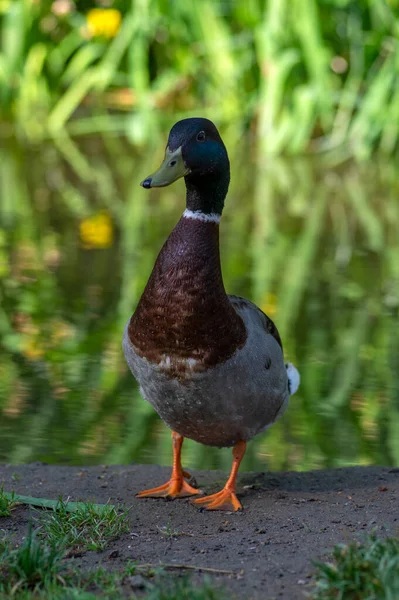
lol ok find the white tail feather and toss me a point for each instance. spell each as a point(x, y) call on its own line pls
point(293, 378)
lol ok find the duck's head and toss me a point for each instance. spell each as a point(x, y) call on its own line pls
point(196, 152)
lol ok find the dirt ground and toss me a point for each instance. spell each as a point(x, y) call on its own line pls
point(289, 520)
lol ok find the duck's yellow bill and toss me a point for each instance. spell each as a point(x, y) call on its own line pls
point(171, 169)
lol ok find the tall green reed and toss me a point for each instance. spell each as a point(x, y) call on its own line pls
point(309, 76)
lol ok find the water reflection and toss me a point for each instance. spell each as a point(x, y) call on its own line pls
point(316, 247)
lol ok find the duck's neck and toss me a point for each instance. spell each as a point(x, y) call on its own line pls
point(190, 257)
point(207, 194)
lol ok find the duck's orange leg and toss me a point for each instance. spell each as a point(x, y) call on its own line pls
point(226, 499)
point(177, 486)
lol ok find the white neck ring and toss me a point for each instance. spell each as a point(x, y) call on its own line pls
point(200, 216)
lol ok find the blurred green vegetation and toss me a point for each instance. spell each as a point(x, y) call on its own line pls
point(297, 88)
point(314, 75)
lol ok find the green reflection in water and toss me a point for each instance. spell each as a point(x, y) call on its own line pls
point(317, 248)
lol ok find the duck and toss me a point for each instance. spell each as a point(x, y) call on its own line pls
point(210, 364)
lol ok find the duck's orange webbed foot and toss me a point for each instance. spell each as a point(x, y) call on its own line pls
point(223, 500)
point(177, 486)
point(226, 499)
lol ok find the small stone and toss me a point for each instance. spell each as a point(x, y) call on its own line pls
point(137, 581)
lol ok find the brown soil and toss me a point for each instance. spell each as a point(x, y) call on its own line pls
point(289, 520)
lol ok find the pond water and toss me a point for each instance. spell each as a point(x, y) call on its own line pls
point(315, 246)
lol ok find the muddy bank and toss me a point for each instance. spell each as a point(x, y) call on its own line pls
point(289, 520)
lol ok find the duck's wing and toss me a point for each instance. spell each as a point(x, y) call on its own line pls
point(242, 304)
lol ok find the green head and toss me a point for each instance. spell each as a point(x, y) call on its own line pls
point(196, 152)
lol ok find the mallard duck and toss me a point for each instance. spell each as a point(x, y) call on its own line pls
point(211, 364)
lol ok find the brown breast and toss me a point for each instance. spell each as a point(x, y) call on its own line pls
point(184, 312)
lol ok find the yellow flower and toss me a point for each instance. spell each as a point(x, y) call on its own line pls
point(269, 304)
point(96, 231)
point(32, 350)
point(103, 22)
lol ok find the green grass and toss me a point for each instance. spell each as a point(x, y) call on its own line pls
point(360, 571)
point(33, 565)
point(36, 571)
point(7, 503)
point(102, 582)
point(39, 569)
point(85, 527)
point(150, 584)
point(168, 588)
point(169, 531)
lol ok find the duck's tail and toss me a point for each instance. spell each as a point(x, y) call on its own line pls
point(293, 378)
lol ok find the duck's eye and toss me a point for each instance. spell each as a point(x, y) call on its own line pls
point(201, 136)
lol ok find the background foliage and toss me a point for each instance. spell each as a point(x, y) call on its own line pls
point(303, 76)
